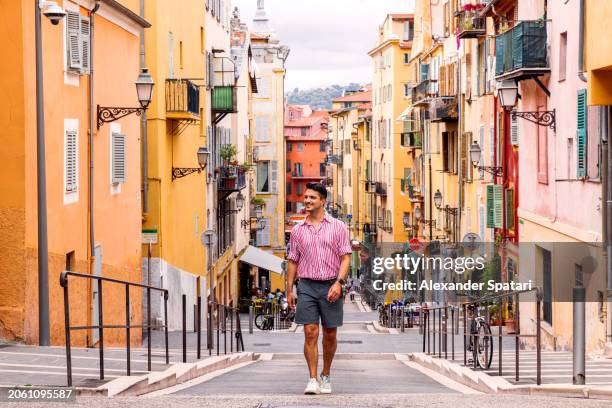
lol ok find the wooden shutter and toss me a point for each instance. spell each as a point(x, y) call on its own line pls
point(73, 41)
point(118, 158)
point(509, 209)
point(465, 173)
point(498, 206)
point(490, 205)
point(274, 177)
point(85, 45)
point(581, 136)
point(71, 161)
point(514, 130)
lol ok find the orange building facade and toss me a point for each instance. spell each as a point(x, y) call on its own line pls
point(115, 163)
point(305, 136)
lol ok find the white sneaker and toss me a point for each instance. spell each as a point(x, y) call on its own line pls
point(312, 387)
point(325, 387)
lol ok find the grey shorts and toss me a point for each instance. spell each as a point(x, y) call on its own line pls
point(312, 304)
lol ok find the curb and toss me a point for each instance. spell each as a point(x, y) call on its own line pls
point(496, 385)
point(176, 374)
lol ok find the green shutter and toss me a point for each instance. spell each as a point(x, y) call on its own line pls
point(499, 54)
point(510, 209)
point(581, 135)
point(498, 206)
point(490, 218)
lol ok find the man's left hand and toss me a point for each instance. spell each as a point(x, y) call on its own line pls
point(334, 292)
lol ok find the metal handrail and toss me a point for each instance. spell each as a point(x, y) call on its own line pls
point(67, 328)
point(442, 329)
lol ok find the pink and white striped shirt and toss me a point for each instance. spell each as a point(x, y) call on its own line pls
point(317, 250)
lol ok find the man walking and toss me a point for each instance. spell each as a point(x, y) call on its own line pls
point(320, 256)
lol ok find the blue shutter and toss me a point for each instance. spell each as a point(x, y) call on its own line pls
point(581, 135)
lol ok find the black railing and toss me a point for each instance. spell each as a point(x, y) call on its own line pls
point(182, 96)
point(443, 109)
point(381, 188)
point(422, 91)
point(220, 315)
point(101, 326)
point(231, 178)
point(521, 47)
point(439, 317)
point(470, 24)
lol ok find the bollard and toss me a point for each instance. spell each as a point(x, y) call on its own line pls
point(251, 319)
point(402, 314)
point(578, 373)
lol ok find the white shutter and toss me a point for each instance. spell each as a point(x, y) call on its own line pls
point(85, 45)
point(262, 237)
point(274, 177)
point(71, 161)
point(73, 43)
point(514, 135)
point(118, 158)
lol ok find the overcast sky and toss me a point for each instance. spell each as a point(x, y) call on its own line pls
point(329, 39)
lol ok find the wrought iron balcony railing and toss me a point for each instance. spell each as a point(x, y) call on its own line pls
point(422, 92)
point(443, 109)
point(470, 24)
point(182, 99)
point(231, 178)
point(521, 51)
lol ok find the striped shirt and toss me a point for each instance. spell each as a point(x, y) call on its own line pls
point(317, 250)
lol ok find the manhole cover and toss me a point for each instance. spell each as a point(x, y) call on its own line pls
point(261, 344)
point(350, 341)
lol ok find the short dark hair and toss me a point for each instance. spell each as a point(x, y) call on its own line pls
point(319, 188)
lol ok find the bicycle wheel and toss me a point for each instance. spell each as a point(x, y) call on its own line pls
point(484, 346)
point(261, 321)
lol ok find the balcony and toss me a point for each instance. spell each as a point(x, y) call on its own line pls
point(443, 109)
point(521, 51)
point(422, 92)
point(182, 100)
point(224, 99)
point(231, 178)
point(411, 140)
point(334, 159)
point(470, 23)
point(381, 189)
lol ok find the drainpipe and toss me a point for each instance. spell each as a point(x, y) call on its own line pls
point(143, 128)
point(607, 210)
point(91, 133)
point(581, 42)
point(457, 225)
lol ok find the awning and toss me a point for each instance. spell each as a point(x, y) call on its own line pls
point(262, 259)
point(405, 114)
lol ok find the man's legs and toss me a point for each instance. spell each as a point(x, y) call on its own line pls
point(311, 348)
point(329, 348)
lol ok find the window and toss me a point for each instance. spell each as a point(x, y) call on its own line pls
point(495, 214)
point(408, 31)
point(321, 169)
point(263, 177)
point(262, 131)
point(581, 136)
point(322, 146)
point(289, 146)
point(562, 56)
point(202, 42)
point(547, 278)
point(297, 169)
point(303, 131)
point(406, 90)
point(299, 188)
point(288, 165)
point(262, 237)
point(406, 57)
point(289, 207)
point(262, 88)
point(118, 158)
point(288, 188)
point(77, 43)
point(300, 147)
point(71, 161)
point(449, 152)
point(509, 209)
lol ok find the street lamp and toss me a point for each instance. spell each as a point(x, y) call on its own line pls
point(438, 202)
point(209, 239)
point(417, 213)
point(475, 156)
point(55, 14)
point(144, 90)
point(202, 154)
point(507, 92)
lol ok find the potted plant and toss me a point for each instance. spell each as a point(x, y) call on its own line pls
point(257, 201)
point(228, 153)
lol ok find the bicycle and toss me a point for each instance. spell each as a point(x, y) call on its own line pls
point(481, 341)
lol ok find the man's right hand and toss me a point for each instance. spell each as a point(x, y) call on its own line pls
point(291, 299)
